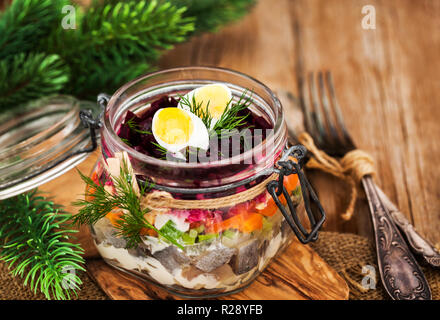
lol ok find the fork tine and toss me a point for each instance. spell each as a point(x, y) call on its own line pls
point(333, 139)
point(339, 118)
point(306, 107)
point(317, 115)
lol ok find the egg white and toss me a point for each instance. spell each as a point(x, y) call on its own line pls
point(199, 137)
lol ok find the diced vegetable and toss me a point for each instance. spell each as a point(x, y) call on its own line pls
point(178, 220)
point(269, 208)
point(207, 237)
point(252, 223)
point(114, 217)
point(200, 228)
point(189, 238)
point(95, 177)
point(148, 232)
point(193, 233)
point(267, 226)
point(245, 222)
point(170, 230)
point(89, 193)
point(291, 183)
point(230, 234)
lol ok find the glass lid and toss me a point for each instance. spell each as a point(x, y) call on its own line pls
point(40, 142)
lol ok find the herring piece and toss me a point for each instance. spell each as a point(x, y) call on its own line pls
point(246, 257)
point(214, 258)
point(225, 275)
point(142, 250)
point(154, 244)
point(171, 258)
point(106, 233)
point(264, 246)
point(191, 272)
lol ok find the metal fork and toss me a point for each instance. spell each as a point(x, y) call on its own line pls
point(399, 271)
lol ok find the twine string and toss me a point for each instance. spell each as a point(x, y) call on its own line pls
point(161, 200)
point(351, 168)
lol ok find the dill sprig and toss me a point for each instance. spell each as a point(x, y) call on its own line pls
point(99, 202)
point(163, 151)
point(135, 127)
point(126, 141)
point(230, 118)
point(196, 107)
point(34, 234)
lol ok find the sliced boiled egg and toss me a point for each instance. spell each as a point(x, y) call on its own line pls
point(215, 96)
point(175, 128)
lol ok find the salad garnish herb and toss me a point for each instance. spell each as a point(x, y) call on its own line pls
point(163, 151)
point(98, 202)
point(197, 108)
point(135, 127)
point(126, 141)
point(231, 118)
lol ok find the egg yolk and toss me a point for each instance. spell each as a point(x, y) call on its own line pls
point(173, 126)
point(218, 97)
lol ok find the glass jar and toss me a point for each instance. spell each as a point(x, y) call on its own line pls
point(40, 141)
point(226, 223)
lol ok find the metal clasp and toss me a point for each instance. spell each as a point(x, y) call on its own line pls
point(92, 123)
point(285, 167)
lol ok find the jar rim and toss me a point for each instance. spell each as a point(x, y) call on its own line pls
point(279, 125)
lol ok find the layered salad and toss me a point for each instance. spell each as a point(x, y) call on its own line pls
point(191, 251)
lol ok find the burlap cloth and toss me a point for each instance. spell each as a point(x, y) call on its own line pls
point(346, 253)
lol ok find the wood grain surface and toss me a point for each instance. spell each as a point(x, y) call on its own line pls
point(387, 81)
point(298, 273)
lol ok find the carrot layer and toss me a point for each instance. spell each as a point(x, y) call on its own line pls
point(290, 183)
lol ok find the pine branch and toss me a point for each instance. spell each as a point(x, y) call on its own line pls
point(112, 38)
point(29, 76)
point(106, 75)
point(33, 241)
point(115, 42)
point(25, 22)
point(210, 15)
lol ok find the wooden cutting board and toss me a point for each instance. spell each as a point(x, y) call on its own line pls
point(298, 273)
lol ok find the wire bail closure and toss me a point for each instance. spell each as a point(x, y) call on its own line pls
point(88, 121)
point(285, 167)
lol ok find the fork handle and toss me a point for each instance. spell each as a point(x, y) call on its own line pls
point(417, 243)
point(399, 271)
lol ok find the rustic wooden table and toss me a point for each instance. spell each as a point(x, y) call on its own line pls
point(387, 80)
